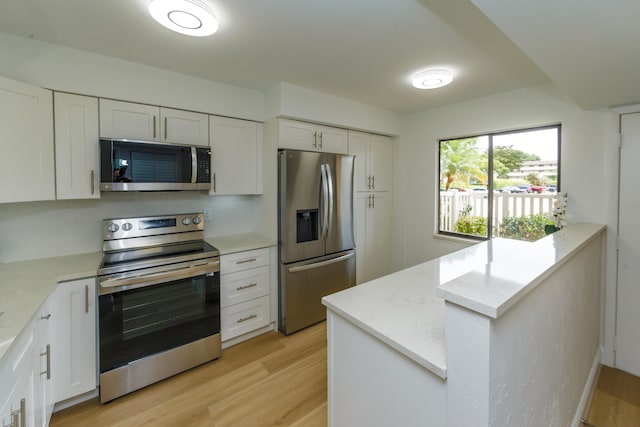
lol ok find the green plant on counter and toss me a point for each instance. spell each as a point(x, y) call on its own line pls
point(529, 228)
point(473, 225)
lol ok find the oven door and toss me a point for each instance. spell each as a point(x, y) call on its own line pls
point(143, 321)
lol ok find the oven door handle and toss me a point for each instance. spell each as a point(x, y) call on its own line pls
point(110, 285)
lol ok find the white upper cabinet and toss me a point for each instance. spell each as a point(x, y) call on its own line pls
point(311, 137)
point(119, 119)
point(26, 141)
point(184, 127)
point(76, 141)
point(236, 152)
point(374, 161)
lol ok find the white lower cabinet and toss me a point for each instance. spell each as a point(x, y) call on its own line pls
point(43, 375)
point(244, 292)
point(373, 234)
point(73, 358)
point(17, 385)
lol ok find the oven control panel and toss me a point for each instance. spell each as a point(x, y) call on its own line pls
point(122, 228)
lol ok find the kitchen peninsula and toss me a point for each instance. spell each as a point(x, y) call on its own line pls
point(500, 333)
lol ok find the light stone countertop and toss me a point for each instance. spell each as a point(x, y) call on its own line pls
point(25, 286)
point(405, 309)
point(240, 242)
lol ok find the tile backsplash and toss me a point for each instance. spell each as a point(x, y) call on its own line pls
point(46, 229)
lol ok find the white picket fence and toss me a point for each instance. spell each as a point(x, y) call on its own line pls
point(504, 205)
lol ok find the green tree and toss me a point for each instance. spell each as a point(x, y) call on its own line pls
point(460, 160)
point(507, 159)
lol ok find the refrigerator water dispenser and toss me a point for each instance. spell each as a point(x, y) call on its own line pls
point(306, 225)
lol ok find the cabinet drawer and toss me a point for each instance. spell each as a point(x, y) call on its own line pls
point(244, 285)
point(244, 260)
point(244, 317)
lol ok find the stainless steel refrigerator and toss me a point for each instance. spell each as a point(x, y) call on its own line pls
point(316, 234)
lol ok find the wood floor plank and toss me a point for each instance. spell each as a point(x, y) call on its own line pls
point(610, 411)
point(280, 399)
point(250, 378)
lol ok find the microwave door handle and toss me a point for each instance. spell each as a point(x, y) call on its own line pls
point(330, 195)
point(194, 165)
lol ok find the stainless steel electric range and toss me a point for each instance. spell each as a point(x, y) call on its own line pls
point(159, 301)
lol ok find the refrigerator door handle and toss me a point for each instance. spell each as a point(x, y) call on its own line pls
point(321, 263)
point(325, 199)
point(330, 188)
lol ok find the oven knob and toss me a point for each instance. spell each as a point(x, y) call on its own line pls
point(127, 226)
point(113, 227)
point(196, 220)
point(186, 221)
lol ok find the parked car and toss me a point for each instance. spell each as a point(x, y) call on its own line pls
point(525, 187)
point(538, 188)
point(512, 189)
point(551, 189)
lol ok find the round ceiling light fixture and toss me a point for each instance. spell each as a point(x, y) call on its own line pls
point(432, 79)
point(190, 17)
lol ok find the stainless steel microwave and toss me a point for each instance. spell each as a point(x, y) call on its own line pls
point(127, 165)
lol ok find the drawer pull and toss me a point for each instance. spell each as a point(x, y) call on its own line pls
point(244, 261)
point(250, 285)
point(244, 319)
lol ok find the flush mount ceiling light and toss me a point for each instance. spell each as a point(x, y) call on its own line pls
point(190, 17)
point(432, 79)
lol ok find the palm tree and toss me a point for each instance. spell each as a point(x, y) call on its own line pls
point(461, 160)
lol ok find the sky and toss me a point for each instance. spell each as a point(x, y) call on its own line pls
point(541, 142)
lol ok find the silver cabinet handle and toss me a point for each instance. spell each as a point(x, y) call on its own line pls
point(214, 182)
point(315, 139)
point(373, 182)
point(369, 182)
point(19, 416)
point(165, 129)
point(244, 261)
point(250, 285)
point(321, 140)
point(154, 127)
point(373, 201)
point(244, 319)
point(93, 177)
point(47, 353)
point(86, 298)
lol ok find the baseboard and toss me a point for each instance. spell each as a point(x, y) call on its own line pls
point(587, 393)
point(76, 400)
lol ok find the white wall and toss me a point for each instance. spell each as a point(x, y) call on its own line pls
point(588, 147)
point(71, 70)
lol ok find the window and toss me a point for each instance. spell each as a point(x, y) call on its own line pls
point(499, 184)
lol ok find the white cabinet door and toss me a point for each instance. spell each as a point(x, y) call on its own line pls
point(373, 233)
point(628, 293)
point(374, 161)
point(380, 163)
point(359, 147)
point(184, 127)
point(311, 137)
point(333, 140)
point(42, 367)
point(26, 142)
point(237, 156)
point(17, 380)
point(244, 317)
point(129, 120)
point(73, 358)
point(76, 141)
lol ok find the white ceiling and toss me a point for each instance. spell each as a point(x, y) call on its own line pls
point(364, 50)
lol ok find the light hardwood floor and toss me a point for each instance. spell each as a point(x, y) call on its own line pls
point(267, 381)
point(616, 401)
